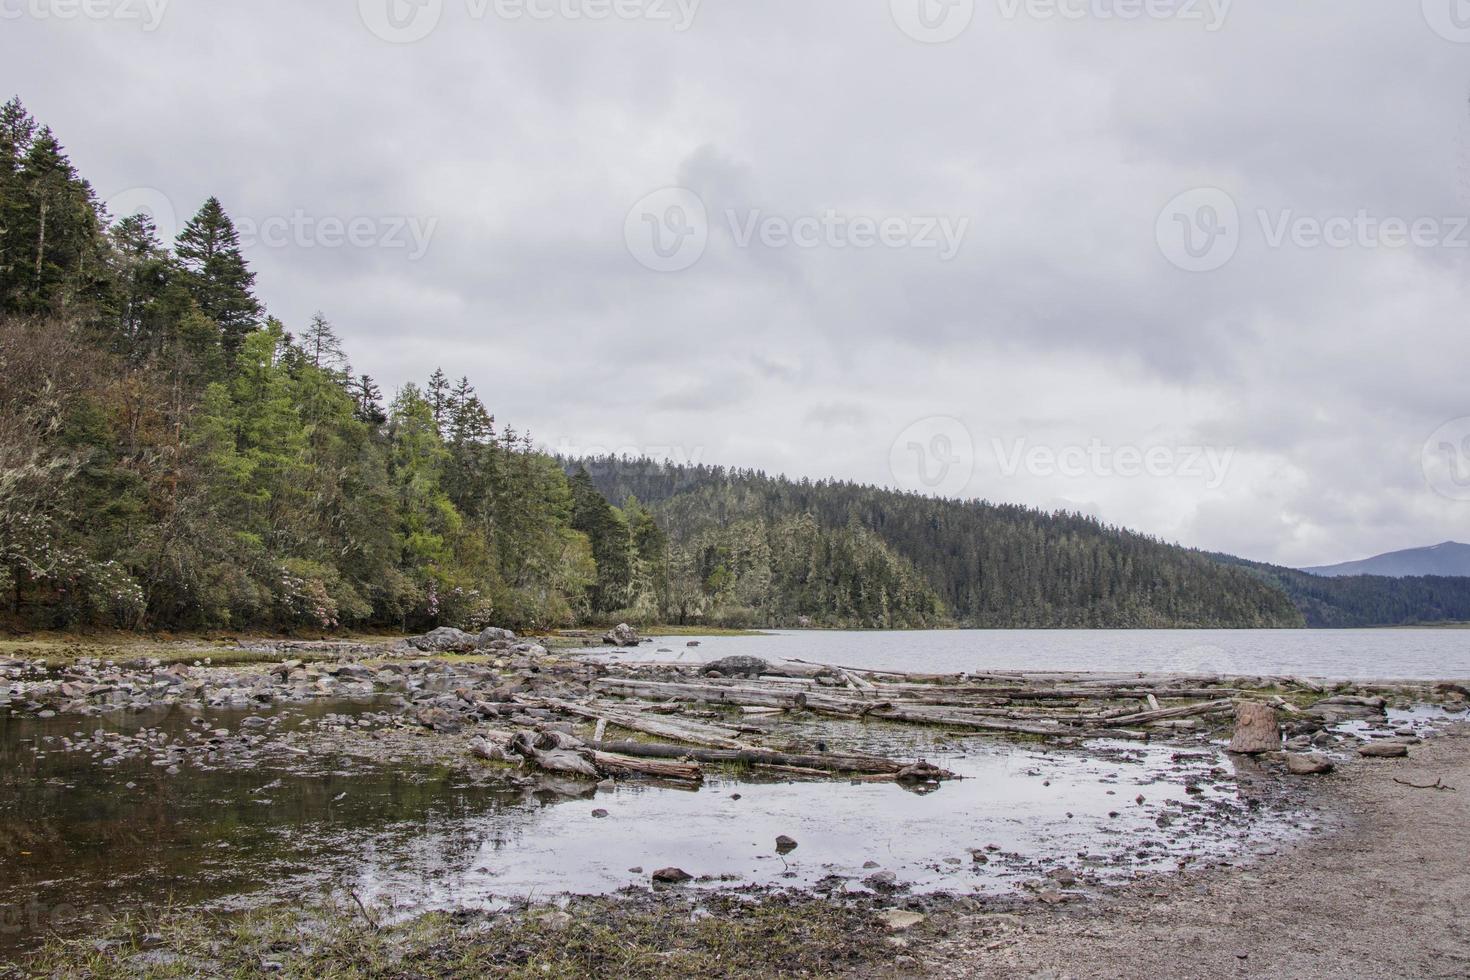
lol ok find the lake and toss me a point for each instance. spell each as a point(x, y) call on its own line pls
point(1387, 654)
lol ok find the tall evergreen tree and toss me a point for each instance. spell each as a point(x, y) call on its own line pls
point(217, 274)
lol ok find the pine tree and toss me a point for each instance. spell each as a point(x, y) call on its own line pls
point(369, 401)
point(217, 275)
point(322, 346)
point(439, 398)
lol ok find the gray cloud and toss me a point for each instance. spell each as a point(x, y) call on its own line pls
point(1060, 321)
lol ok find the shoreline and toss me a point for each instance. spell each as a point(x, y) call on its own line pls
point(1378, 892)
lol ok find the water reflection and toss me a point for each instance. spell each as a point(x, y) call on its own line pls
point(78, 838)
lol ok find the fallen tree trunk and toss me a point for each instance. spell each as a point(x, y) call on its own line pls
point(755, 757)
point(621, 762)
point(680, 731)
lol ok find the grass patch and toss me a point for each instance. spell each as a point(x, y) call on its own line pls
point(660, 935)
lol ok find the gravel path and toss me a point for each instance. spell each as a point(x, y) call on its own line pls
point(1386, 895)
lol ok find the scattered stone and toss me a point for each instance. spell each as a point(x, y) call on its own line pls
point(445, 639)
point(738, 667)
point(900, 920)
point(882, 881)
point(622, 635)
point(1383, 750)
point(1307, 763)
point(672, 876)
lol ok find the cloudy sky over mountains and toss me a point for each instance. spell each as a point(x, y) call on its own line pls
point(1196, 268)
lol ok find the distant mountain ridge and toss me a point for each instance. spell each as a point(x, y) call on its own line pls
point(1449, 559)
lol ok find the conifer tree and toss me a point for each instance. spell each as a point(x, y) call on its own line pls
point(217, 274)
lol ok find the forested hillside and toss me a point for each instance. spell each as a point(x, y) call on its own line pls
point(173, 456)
point(736, 540)
point(1366, 600)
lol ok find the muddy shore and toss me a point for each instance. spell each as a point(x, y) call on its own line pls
point(1189, 863)
point(1385, 894)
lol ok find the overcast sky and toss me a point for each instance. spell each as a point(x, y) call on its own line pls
point(1195, 268)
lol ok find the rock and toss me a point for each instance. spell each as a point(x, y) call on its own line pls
point(739, 666)
point(445, 639)
point(785, 845)
point(672, 876)
point(622, 635)
point(1307, 763)
point(1384, 750)
point(493, 634)
point(1346, 707)
point(692, 643)
point(599, 813)
point(1256, 729)
point(440, 720)
point(882, 881)
point(900, 920)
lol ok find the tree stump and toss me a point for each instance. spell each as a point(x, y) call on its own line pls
point(1256, 729)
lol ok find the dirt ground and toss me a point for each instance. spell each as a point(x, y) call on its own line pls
point(1387, 894)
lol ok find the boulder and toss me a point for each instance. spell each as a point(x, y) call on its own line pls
point(1307, 763)
point(1256, 729)
point(445, 639)
point(739, 667)
point(1347, 707)
point(672, 876)
point(622, 635)
point(785, 845)
point(492, 635)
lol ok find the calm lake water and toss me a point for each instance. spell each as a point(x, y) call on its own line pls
point(1422, 654)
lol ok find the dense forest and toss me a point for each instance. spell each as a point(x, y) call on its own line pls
point(172, 456)
point(750, 547)
point(1366, 600)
